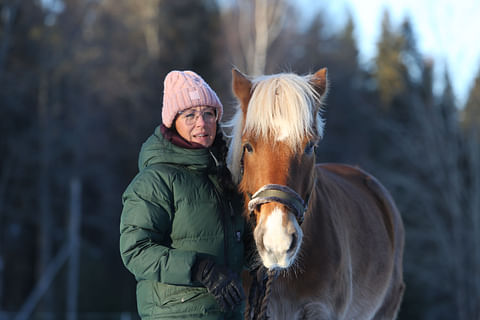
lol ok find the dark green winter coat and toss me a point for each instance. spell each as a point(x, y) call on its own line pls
point(173, 213)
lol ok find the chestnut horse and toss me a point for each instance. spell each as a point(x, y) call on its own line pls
point(332, 231)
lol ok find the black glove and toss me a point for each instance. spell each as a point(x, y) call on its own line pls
point(221, 282)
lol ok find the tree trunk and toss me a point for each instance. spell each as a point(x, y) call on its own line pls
point(45, 224)
point(74, 240)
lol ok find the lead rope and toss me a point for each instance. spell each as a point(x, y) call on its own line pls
point(272, 275)
point(260, 290)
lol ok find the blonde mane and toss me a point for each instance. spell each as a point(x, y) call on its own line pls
point(283, 107)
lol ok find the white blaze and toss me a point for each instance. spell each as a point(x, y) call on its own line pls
point(277, 239)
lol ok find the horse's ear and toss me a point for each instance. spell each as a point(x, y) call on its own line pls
point(241, 88)
point(320, 81)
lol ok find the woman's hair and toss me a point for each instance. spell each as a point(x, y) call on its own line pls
point(220, 150)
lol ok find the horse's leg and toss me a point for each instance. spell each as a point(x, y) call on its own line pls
point(317, 311)
point(391, 304)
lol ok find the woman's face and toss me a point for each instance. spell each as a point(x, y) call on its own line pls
point(198, 124)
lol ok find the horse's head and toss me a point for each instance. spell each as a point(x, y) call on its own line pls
point(272, 155)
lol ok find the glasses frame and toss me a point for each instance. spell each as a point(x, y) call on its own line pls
point(197, 113)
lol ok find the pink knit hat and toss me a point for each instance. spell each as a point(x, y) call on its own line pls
point(183, 90)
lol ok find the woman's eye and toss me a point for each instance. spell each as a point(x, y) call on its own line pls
point(190, 115)
point(209, 115)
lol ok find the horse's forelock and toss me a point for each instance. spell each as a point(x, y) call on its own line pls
point(282, 106)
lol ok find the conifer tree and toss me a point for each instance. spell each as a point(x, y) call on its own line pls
point(471, 112)
point(389, 69)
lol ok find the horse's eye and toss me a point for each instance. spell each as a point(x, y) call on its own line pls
point(310, 147)
point(248, 147)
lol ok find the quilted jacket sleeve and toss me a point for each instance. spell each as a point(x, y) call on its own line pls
point(144, 233)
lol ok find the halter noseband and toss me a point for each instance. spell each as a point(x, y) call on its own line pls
point(281, 194)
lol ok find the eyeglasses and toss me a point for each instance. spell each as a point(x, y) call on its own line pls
point(190, 116)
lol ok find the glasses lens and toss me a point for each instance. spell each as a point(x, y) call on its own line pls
point(209, 116)
point(191, 116)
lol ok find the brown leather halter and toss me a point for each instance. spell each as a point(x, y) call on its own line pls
point(281, 194)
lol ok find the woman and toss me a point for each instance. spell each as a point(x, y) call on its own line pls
point(181, 230)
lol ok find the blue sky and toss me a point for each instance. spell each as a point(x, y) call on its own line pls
point(447, 31)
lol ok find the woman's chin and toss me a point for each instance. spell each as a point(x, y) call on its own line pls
point(204, 141)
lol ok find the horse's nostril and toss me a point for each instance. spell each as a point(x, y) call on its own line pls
point(293, 244)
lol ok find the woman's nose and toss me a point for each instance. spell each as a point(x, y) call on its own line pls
point(200, 121)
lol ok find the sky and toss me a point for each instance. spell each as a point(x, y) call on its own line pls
point(447, 31)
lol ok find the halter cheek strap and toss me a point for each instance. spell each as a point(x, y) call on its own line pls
point(281, 194)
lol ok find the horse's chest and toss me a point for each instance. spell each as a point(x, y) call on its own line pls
point(283, 309)
point(293, 301)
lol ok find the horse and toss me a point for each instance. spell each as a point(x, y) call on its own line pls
point(330, 232)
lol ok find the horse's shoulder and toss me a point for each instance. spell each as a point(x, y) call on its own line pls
point(368, 183)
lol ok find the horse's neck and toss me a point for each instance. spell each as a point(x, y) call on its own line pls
point(322, 240)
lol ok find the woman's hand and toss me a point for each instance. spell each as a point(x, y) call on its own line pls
point(221, 282)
